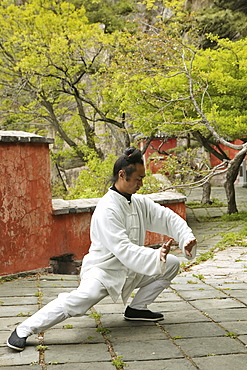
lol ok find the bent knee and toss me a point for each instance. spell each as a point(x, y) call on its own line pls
point(173, 264)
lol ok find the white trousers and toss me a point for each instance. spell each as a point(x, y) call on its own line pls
point(89, 293)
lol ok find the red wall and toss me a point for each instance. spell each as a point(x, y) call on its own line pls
point(25, 206)
point(229, 152)
point(154, 165)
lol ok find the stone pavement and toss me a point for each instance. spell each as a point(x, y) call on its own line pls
point(205, 325)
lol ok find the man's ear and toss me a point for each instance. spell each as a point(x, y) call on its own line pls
point(121, 174)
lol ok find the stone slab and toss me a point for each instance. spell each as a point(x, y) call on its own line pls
point(69, 284)
point(82, 322)
point(191, 284)
point(77, 353)
point(243, 339)
point(135, 334)
point(168, 296)
point(58, 277)
point(30, 367)
point(147, 350)
point(72, 336)
point(189, 316)
point(110, 308)
point(201, 294)
point(177, 364)
point(13, 301)
point(206, 304)
point(238, 327)
point(21, 310)
point(55, 290)
point(238, 293)
point(204, 346)
point(226, 362)
point(10, 357)
point(82, 366)
point(17, 291)
point(167, 307)
point(9, 323)
point(195, 330)
point(230, 314)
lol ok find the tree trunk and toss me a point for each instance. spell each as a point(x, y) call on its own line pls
point(206, 193)
point(231, 176)
point(89, 131)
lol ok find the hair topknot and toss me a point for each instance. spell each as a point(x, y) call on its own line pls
point(133, 155)
point(127, 161)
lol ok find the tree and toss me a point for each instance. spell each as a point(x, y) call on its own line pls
point(112, 14)
point(50, 56)
point(165, 83)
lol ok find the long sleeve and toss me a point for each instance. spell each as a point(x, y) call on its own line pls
point(163, 220)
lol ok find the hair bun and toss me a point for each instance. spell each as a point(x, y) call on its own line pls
point(132, 155)
point(129, 151)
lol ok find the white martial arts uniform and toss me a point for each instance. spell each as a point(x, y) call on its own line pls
point(117, 261)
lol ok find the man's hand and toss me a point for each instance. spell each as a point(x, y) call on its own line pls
point(188, 247)
point(165, 249)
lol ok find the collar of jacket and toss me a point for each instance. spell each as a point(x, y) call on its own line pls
point(126, 196)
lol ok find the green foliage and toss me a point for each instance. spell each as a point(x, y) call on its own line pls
point(215, 203)
point(113, 14)
point(240, 216)
point(118, 362)
point(48, 56)
point(93, 182)
point(103, 331)
point(205, 256)
point(222, 21)
point(224, 70)
point(68, 326)
point(150, 78)
point(177, 337)
point(150, 184)
point(200, 276)
point(21, 314)
point(96, 316)
point(183, 168)
point(192, 282)
point(231, 335)
point(41, 348)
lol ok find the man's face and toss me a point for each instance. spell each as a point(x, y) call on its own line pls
point(133, 183)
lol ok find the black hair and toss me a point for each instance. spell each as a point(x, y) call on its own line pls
point(127, 161)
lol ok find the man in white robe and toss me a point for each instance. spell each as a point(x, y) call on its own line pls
point(118, 262)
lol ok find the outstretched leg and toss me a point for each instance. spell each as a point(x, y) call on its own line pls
point(75, 303)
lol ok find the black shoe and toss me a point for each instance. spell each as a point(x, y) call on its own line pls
point(143, 315)
point(16, 342)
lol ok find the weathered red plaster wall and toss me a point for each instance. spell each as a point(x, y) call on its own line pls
point(229, 152)
point(153, 238)
point(25, 206)
point(71, 234)
point(155, 165)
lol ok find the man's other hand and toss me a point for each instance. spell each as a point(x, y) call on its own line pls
point(188, 247)
point(165, 249)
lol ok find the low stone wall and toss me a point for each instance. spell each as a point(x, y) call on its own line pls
point(73, 216)
point(34, 228)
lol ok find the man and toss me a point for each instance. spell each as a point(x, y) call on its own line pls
point(117, 261)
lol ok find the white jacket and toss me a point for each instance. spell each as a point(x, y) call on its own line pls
point(117, 256)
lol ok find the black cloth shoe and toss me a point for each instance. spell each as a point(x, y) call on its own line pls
point(143, 315)
point(16, 342)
